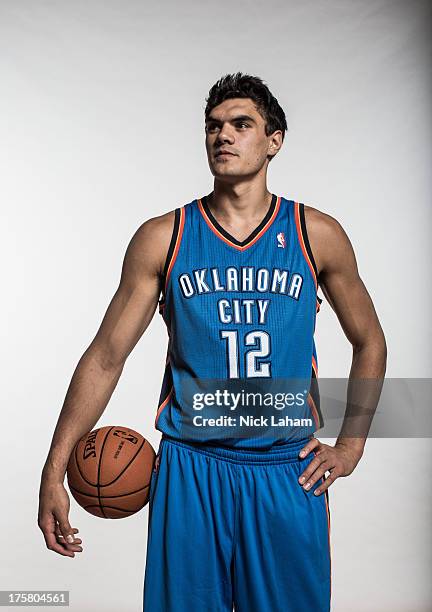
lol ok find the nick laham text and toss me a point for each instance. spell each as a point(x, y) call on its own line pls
point(249, 421)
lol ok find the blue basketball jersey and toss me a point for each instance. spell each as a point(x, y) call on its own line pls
point(238, 311)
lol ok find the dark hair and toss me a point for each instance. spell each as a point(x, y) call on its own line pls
point(240, 85)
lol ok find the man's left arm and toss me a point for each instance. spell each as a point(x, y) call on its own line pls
point(346, 293)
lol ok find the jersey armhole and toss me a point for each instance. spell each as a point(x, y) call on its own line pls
point(170, 256)
point(307, 246)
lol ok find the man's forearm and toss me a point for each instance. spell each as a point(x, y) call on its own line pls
point(88, 394)
point(364, 389)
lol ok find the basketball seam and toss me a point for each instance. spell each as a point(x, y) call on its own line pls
point(113, 508)
point(126, 466)
point(92, 484)
point(99, 467)
point(108, 496)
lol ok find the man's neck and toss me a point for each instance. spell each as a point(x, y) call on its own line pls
point(239, 202)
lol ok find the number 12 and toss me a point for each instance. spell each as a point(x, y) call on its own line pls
point(260, 340)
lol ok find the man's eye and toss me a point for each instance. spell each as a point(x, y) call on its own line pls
point(243, 123)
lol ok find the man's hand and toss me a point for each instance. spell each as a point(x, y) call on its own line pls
point(339, 460)
point(53, 518)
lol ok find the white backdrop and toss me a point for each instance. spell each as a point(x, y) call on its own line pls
point(101, 123)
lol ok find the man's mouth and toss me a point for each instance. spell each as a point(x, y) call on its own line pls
point(223, 153)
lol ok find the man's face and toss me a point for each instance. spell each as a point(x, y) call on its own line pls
point(235, 126)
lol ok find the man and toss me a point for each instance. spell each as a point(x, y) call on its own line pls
point(234, 519)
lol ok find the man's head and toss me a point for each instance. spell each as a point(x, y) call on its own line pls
point(242, 117)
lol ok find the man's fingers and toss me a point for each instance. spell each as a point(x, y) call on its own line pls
point(318, 473)
point(309, 447)
point(61, 539)
point(59, 533)
point(52, 544)
point(48, 530)
point(75, 545)
point(72, 547)
point(327, 482)
point(313, 465)
point(66, 529)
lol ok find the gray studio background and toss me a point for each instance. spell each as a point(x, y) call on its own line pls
point(101, 123)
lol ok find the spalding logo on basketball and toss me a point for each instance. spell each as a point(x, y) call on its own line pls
point(109, 471)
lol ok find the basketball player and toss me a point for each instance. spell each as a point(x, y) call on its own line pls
point(234, 519)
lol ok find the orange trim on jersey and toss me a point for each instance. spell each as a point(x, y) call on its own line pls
point(236, 246)
point(328, 533)
point(302, 243)
point(162, 406)
point(315, 366)
point(313, 409)
point(175, 251)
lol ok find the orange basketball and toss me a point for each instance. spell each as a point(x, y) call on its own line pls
point(109, 471)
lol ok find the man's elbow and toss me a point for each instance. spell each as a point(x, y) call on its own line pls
point(374, 345)
point(107, 357)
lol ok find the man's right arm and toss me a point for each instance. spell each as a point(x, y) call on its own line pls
point(98, 371)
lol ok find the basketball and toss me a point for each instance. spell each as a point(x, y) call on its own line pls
point(109, 471)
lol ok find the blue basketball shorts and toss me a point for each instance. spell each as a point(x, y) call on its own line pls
point(230, 527)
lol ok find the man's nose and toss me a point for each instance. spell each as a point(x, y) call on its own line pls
point(225, 135)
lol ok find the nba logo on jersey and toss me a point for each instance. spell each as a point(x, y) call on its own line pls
point(281, 240)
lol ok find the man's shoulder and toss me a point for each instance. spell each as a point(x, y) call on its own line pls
point(321, 225)
point(153, 237)
point(326, 236)
point(157, 229)
point(159, 225)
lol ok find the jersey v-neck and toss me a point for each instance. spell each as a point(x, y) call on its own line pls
point(255, 235)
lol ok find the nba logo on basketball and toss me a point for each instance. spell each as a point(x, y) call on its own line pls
point(281, 240)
